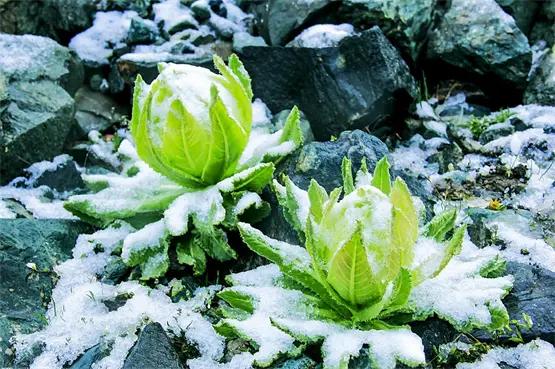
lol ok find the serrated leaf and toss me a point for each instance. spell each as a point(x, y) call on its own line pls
point(404, 227)
point(452, 248)
point(241, 73)
point(213, 241)
point(317, 196)
point(349, 272)
point(190, 252)
point(292, 129)
point(381, 178)
point(441, 224)
point(295, 204)
point(494, 268)
point(252, 179)
point(347, 173)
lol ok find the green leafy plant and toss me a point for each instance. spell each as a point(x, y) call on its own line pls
point(195, 170)
point(478, 125)
point(367, 269)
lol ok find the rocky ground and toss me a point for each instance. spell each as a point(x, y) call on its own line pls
point(460, 95)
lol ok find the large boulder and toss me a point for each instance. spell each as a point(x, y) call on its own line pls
point(37, 79)
point(541, 88)
point(523, 12)
point(29, 249)
point(363, 82)
point(278, 21)
point(477, 38)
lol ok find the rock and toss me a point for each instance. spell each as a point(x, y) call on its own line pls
point(541, 88)
point(447, 155)
point(52, 18)
point(523, 12)
point(279, 20)
point(141, 32)
point(153, 350)
point(62, 177)
point(244, 39)
point(405, 23)
point(25, 293)
point(532, 295)
point(322, 35)
point(496, 131)
point(361, 83)
point(95, 111)
point(201, 10)
point(90, 357)
point(35, 104)
point(476, 36)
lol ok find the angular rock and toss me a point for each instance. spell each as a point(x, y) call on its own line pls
point(95, 111)
point(37, 112)
point(153, 350)
point(523, 12)
point(532, 294)
point(478, 37)
point(405, 23)
point(361, 83)
point(280, 20)
point(541, 88)
point(141, 32)
point(25, 293)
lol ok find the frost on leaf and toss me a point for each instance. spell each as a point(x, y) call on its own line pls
point(460, 295)
point(283, 321)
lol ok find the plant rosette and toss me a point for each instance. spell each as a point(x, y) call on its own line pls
point(196, 169)
point(367, 269)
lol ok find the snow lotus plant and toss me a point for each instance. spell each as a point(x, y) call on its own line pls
point(366, 270)
point(196, 169)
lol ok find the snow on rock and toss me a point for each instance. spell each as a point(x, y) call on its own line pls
point(323, 35)
point(108, 32)
point(537, 354)
point(79, 319)
point(172, 13)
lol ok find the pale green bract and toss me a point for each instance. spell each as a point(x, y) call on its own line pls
point(367, 269)
point(196, 168)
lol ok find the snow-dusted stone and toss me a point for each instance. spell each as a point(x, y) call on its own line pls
point(152, 350)
point(29, 244)
point(322, 35)
point(37, 79)
point(363, 82)
point(541, 88)
point(279, 20)
point(479, 37)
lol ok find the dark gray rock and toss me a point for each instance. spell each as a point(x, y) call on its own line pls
point(523, 12)
point(477, 36)
point(361, 83)
point(541, 88)
point(496, 131)
point(532, 294)
point(37, 112)
point(153, 350)
point(95, 111)
point(201, 10)
point(405, 23)
point(90, 357)
point(25, 293)
point(52, 18)
point(141, 32)
point(65, 177)
point(244, 39)
point(280, 20)
point(447, 155)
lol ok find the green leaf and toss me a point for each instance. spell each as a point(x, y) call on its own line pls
point(350, 273)
point(237, 299)
point(241, 73)
point(252, 179)
point(228, 140)
point(401, 292)
point(213, 241)
point(155, 266)
point(381, 178)
point(291, 129)
point(317, 196)
point(440, 225)
point(452, 248)
point(294, 203)
point(495, 268)
point(346, 172)
point(404, 227)
point(191, 253)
